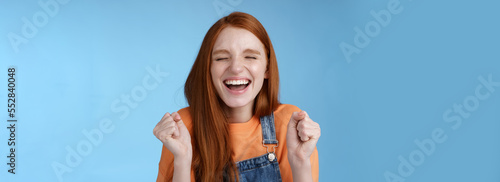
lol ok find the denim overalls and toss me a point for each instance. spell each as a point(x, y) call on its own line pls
point(265, 167)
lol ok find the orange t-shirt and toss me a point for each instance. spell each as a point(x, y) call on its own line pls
point(246, 143)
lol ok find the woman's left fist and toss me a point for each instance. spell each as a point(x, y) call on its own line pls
point(301, 138)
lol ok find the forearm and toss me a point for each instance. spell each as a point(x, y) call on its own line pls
point(182, 169)
point(301, 171)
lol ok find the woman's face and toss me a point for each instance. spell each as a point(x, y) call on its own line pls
point(238, 66)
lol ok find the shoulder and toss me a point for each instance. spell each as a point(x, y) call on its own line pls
point(185, 113)
point(287, 108)
point(283, 113)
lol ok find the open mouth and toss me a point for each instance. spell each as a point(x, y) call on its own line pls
point(237, 85)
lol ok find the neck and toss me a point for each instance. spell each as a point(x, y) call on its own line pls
point(240, 114)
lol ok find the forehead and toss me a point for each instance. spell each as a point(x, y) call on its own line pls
point(237, 39)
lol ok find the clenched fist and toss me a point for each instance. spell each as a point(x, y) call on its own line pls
point(301, 137)
point(174, 135)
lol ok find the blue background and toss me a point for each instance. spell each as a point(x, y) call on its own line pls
point(371, 109)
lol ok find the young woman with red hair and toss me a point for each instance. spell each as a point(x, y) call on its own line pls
point(235, 128)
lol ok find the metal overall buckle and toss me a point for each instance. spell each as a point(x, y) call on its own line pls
point(270, 155)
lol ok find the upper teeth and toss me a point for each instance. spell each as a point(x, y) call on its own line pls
point(236, 82)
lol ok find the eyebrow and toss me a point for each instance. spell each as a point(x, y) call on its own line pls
point(220, 51)
point(252, 51)
point(225, 51)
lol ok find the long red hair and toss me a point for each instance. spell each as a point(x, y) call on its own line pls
point(212, 159)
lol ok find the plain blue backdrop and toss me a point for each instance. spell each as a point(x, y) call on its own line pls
point(376, 75)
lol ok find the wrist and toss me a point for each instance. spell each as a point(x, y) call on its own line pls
point(301, 170)
point(182, 162)
point(184, 159)
point(182, 167)
point(298, 160)
point(300, 164)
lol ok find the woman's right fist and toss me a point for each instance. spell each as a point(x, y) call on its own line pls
point(174, 135)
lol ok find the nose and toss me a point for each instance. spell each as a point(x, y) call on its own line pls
point(236, 65)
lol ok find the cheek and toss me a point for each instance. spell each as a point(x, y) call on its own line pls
point(215, 71)
point(258, 71)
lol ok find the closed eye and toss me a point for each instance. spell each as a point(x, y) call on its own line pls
point(250, 57)
point(220, 59)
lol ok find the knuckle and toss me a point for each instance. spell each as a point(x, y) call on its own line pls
point(158, 124)
point(302, 125)
point(160, 136)
point(170, 129)
point(169, 124)
point(303, 133)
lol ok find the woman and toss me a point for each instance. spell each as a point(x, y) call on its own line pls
point(235, 129)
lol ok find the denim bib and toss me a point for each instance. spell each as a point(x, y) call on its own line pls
point(264, 167)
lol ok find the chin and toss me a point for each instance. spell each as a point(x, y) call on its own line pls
point(236, 103)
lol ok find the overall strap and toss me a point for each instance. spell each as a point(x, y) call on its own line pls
point(268, 130)
point(265, 167)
